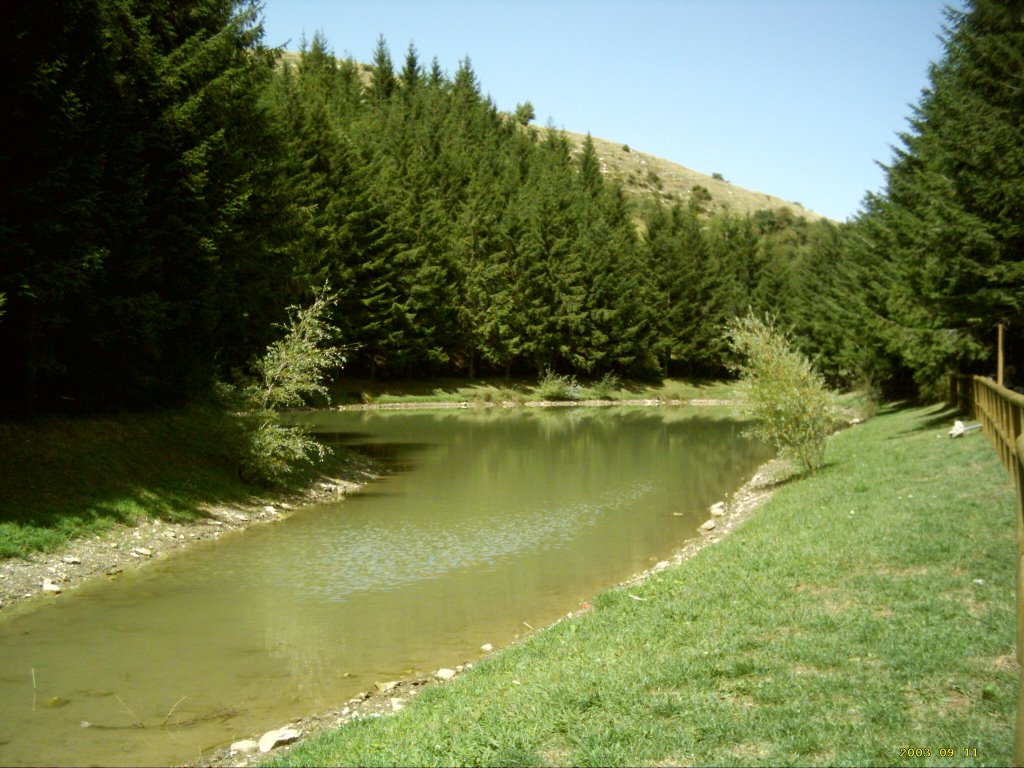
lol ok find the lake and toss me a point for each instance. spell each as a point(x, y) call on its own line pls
point(492, 521)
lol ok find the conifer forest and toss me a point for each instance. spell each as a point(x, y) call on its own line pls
point(170, 186)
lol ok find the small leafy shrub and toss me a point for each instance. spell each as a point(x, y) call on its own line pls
point(607, 385)
point(700, 193)
point(625, 148)
point(554, 386)
point(866, 397)
point(291, 371)
point(508, 395)
point(788, 399)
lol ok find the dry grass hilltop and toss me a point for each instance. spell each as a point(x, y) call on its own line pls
point(644, 175)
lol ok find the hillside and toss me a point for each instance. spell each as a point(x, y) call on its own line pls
point(649, 176)
point(645, 175)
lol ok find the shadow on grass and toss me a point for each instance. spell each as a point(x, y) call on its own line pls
point(66, 477)
point(938, 416)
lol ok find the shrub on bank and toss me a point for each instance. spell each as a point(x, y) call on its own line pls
point(788, 399)
point(554, 386)
point(291, 371)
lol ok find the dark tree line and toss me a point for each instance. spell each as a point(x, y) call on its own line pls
point(170, 186)
point(138, 199)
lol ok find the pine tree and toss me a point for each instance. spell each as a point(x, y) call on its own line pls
point(142, 155)
point(383, 83)
point(951, 213)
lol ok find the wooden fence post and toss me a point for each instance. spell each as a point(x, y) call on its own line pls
point(1018, 739)
point(999, 356)
point(1001, 413)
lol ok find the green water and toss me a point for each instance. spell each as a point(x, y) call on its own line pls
point(492, 521)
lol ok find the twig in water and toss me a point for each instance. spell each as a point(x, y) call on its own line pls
point(138, 721)
point(33, 689)
point(172, 710)
point(528, 626)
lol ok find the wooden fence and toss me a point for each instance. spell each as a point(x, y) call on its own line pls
point(1001, 412)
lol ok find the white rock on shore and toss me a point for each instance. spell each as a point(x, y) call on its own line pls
point(277, 737)
point(245, 746)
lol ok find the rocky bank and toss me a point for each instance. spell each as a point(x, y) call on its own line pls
point(46, 576)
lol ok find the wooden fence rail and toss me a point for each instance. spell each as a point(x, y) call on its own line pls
point(1001, 413)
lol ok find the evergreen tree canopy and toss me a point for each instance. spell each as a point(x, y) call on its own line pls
point(134, 196)
point(951, 221)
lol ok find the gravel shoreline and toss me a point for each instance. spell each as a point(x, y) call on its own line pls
point(46, 576)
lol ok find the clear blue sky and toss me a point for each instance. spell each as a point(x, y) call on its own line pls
point(796, 98)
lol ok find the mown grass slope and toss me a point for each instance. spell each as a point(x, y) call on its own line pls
point(63, 477)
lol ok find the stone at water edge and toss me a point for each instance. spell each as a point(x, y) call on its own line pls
point(709, 525)
point(718, 509)
point(245, 746)
point(51, 586)
point(445, 674)
point(71, 560)
point(486, 647)
point(277, 737)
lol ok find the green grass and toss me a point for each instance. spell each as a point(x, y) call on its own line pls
point(863, 610)
point(63, 478)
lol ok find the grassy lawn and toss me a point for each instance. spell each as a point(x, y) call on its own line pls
point(63, 477)
point(862, 611)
